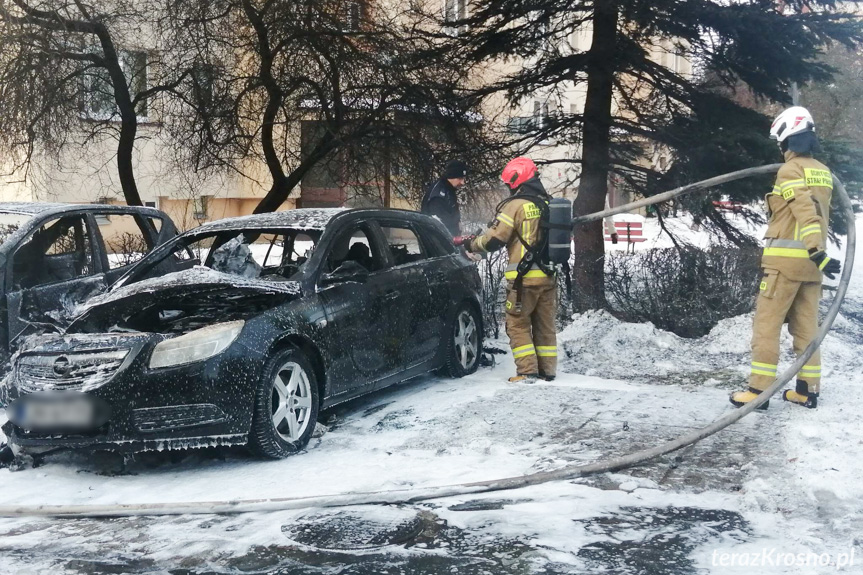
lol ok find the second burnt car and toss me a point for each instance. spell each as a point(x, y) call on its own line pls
point(53, 257)
point(282, 315)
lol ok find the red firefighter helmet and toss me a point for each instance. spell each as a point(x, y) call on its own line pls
point(518, 171)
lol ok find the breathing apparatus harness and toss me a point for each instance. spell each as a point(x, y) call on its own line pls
point(533, 255)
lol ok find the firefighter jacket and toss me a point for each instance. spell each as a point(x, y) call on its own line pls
point(523, 216)
point(441, 200)
point(798, 210)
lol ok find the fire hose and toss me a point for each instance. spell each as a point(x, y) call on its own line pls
point(564, 473)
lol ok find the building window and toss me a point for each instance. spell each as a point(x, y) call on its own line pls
point(454, 11)
point(520, 124)
point(99, 103)
point(678, 59)
point(542, 111)
point(354, 12)
point(201, 205)
point(204, 81)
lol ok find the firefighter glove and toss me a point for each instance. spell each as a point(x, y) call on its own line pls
point(463, 240)
point(828, 266)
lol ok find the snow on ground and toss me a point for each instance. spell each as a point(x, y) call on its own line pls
point(781, 482)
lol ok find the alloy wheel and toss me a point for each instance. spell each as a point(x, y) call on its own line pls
point(466, 339)
point(291, 401)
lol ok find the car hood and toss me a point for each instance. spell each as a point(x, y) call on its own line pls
point(127, 300)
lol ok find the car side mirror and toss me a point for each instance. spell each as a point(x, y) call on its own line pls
point(349, 271)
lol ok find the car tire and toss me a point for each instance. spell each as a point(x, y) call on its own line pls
point(286, 406)
point(463, 343)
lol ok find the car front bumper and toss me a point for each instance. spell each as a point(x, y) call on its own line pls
point(207, 403)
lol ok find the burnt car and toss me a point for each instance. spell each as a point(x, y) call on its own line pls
point(53, 257)
point(281, 316)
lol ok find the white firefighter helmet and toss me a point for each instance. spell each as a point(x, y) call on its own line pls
point(794, 120)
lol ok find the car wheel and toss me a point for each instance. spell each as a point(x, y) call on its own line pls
point(286, 406)
point(464, 343)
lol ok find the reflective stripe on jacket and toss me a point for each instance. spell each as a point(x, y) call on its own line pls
point(798, 211)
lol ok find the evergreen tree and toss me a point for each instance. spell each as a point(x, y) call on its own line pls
point(634, 104)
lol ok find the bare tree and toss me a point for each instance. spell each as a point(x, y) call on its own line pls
point(72, 73)
point(344, 92)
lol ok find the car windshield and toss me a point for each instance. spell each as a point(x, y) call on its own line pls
point(267, 254)
point(10, 222)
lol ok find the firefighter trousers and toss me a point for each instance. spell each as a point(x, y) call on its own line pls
point(531, 330)
point(781, 299)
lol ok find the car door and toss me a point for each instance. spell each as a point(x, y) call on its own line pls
point(442, 270)
point(357, 312)
point(52, 271)
point(412, 311)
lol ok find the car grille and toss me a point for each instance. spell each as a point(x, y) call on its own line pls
point(68, 372)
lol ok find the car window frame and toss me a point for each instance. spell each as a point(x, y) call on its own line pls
point(374, 235)
point(167, 248)
point(426, 230)
point(39, 223)
point(151, 236)
point(403, 224)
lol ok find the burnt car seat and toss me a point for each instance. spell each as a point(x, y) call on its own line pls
point(338, 254)
point(235, 257)
point(359, 253)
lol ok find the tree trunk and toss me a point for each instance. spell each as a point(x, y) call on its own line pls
point(125, 162)
point(281, 188)
point(283, 184)
point(128, 119)
point(588, 271)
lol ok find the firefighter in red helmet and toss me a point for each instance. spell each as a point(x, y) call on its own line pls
point(532, 284)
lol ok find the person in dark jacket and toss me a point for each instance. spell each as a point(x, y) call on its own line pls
point(441, 198)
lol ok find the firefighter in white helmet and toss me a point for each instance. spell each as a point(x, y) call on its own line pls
point(794, 260)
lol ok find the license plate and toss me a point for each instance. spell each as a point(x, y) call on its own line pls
point(58, 412)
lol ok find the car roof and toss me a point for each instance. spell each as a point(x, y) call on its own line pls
point(314, 219)
point(48, 208)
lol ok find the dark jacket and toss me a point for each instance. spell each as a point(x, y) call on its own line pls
point(441, 200)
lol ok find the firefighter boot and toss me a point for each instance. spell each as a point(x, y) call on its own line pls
point(523, 378)
point(741, 398)
point(801, 395)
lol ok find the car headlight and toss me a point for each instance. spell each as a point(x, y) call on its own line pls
point(196, 345)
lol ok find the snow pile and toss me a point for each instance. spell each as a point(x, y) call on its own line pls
point(598, 344)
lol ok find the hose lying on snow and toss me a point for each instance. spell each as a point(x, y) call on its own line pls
point(568, 472)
